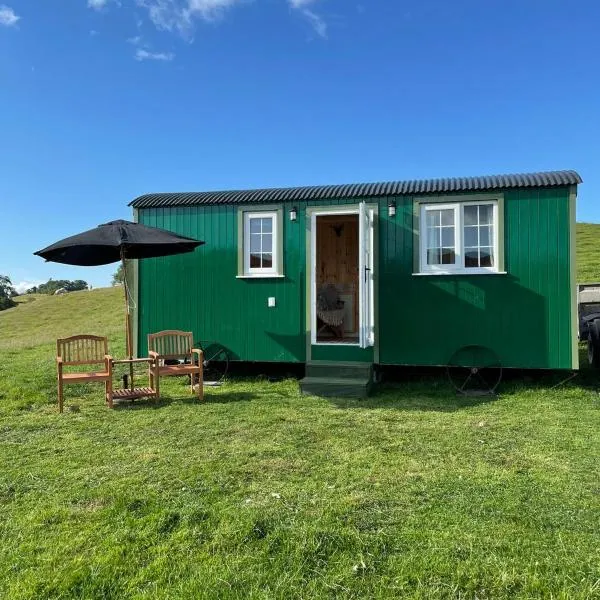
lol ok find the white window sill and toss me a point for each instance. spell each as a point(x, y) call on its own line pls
point(260, 276)
point(460, 272)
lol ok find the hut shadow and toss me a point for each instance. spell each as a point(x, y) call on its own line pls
point(409, 398)
point(163, 402)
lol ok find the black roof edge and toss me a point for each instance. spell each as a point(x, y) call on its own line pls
point(390, 188)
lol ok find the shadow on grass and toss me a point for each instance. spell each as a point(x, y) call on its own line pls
point(407, 397)
point(148, 403)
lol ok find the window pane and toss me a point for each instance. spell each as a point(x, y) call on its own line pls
point(470, 236)
point(255, 225)
point(267, 242)
point(255, 261)
point(471, 215)
point(471, 257)
point(485, 236)
point(433, 257)
point(448, 256)
point(255, 242)
point(485, 214)
point(267, 225)
point(433, 218)
point(486, 258)
point(448, 237)
point(267, 261)
point(433, 237)
point(447, 216)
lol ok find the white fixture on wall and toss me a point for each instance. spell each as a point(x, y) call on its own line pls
point(271, 302)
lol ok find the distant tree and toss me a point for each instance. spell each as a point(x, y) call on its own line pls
point(7, 291)
point(32, 290)
point(55, 284)
point(118, 276)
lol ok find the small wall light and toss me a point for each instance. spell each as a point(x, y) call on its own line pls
point(293, 213)
point(392, 208)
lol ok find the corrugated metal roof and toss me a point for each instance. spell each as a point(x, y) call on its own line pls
point(361, 190)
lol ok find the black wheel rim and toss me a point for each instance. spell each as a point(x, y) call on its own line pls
point(216, 362)
point(474, 371)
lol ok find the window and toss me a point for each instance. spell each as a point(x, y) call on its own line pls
point(459, 237)
point(260, 243)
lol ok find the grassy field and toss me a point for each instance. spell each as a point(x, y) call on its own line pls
point(588, 252)
point(261, 493)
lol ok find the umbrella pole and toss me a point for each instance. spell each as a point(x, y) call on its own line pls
point(127, 323)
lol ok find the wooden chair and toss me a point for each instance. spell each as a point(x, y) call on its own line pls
point(170, 345)
point(83, 350)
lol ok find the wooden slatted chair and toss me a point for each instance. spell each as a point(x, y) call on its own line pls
point(171, 345)
point(83, 350)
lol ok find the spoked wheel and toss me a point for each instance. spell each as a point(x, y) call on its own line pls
point(216, 362)
point(474, 371)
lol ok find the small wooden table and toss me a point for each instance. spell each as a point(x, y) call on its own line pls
point(133, 392)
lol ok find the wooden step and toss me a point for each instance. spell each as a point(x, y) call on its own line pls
point(336, 387)
point(340, 370)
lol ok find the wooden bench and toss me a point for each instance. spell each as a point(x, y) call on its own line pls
point(80, 350)
point(177, 345)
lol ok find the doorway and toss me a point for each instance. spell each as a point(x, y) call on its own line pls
point(337, 278)
point(341, 276)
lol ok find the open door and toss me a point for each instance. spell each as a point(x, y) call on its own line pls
point(365, 271)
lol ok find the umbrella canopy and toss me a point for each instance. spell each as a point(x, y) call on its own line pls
point(117, 240)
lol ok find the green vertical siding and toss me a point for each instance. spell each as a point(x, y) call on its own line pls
point(200, 292)
point(523, 315)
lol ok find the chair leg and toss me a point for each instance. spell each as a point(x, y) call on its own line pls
point(109, 393)
point(60, 395)
point(200, 383)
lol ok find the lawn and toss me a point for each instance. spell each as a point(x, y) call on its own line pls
point(262, 493)
point(588, 252)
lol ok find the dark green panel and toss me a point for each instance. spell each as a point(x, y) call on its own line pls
point(200, 291)
point(524, 315)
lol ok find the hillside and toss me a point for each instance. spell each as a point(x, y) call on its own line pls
point(40, 319)
point(588, 252)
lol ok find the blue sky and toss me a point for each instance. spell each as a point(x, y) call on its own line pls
point(103, 100)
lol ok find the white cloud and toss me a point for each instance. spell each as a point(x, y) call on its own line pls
point(301, 3)
point(317, 22)
point(142, 54)
point(23, 286)
point(8, 16)
point(97, 4)
point(179, 15)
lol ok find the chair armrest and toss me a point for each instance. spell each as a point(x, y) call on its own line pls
point(199, 353)
point(59, 360)
point(108, 359)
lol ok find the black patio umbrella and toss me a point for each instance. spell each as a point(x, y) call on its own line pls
point(114, 241)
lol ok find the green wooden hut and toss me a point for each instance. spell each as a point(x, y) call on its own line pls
point(344, 277)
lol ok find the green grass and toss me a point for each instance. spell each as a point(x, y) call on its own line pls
point(588, 252)
point(261, 493)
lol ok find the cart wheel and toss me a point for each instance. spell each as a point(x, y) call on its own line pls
point(474, 371)
point(593, 344)
point(216, 362)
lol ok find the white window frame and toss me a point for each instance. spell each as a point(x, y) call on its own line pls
point(261, 271)
point(459, 264)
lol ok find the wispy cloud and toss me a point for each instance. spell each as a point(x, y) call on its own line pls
point(97, 4)
point(179, 15)
point(317, 22)
point(8, 16)
point(143, 54)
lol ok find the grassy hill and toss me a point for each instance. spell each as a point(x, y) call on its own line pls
point(588, 252)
